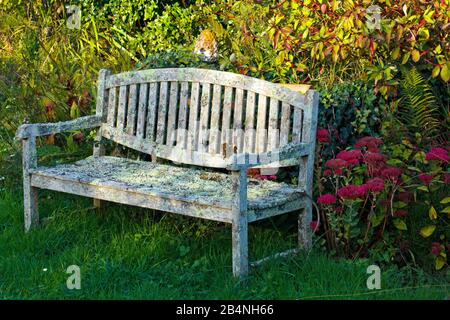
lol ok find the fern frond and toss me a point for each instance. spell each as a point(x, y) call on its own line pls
point(417, 110)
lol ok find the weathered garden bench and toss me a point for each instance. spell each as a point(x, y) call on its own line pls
point(196, 117)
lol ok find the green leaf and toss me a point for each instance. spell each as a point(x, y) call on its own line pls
point(427, 230)
point(445, 200)
point(424, 33)
point(446, 210)
point(400, 224)
point(445, 72)
point(400, 204)
point(422, 188)
point(395, 53)
point(435, 71)
point(406, 57)
point(439, 263)
point(415, 54)
point(432, 213)
point(376, 219)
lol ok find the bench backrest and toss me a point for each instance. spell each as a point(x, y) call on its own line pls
point(200, 116)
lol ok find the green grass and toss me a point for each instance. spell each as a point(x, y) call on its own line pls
point(129, 253)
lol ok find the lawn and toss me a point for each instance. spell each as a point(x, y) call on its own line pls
point(130, 253)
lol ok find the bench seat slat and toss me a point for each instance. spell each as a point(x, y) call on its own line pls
point(164, 187)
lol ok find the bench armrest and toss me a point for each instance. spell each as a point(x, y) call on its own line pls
point(31, 130)
point(288, 151)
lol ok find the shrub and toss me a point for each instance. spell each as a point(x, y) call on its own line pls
point(366, 197)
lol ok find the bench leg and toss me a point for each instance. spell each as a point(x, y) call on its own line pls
point(30, 193)
point(30, 203)
point(240, 224)
point(240, 249)
point(304, 228)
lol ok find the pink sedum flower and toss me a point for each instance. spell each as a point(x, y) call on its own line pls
point(336, 164)
point(446, 178)
point(438, 154)
point(326, 199)
point(349, 155)
point(368, 142)
point(375, 185)
point(352, 192)
point(425, 178)
point(391, 173)
point(435, 248)
point(322, 135)
point(374, 157)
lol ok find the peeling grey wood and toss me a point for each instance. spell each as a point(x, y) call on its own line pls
point(249, 138)
point(26, 131)
point(122, 108)
point(30, 193)
point(183, 116)
point(261, 133)
point(102, 97)
point(193, 115)
point(286, 152)
point(112, 109)
point(151, 112)
point(214, 133)
point(132, 110)
point(142, 108)
point(145, 116)
point(210, 76)
point(212, 189)
point(226, 139)
point(122, 195)
point(285, 123)
point(204, 118)
point(273, 134)
point(101, 110)
point(172, 117)
point(176, 154)
point(306, 168)
point(238, 139)
point(240, 224)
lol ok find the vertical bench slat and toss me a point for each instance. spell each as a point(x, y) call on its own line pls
point(102, 94)
point(172, 117)
point(226, 122)
point(182, 116)
point(162, 112)
point(112, 111)
point(297, 125)
point(193, 115)
point(122, 108)
point(261, 132)
point(214, 134)
point(142, 108)
point(237, 121)
point(273, 131)
point(285, 123)
point(250, 123)
point(151, 111)
point(204, 117)
point(131, 110)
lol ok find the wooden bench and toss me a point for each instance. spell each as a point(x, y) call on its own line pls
point(203, 118)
